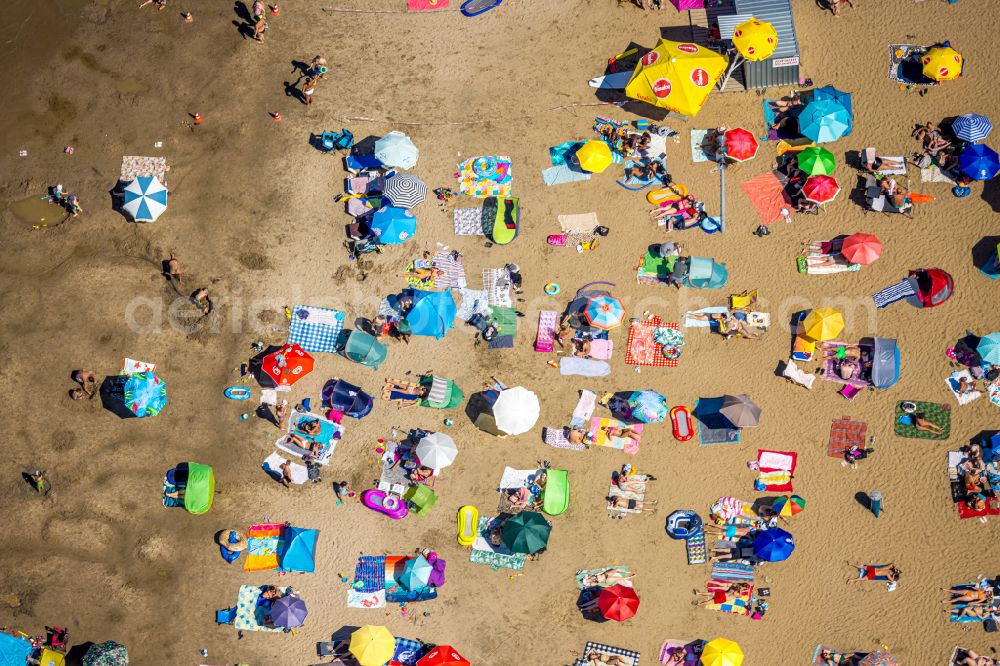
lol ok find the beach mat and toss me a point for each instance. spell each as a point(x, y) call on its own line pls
point(495, 557)
point(583, 573)
point(250, 616)
point(558, 438)
point(736, 572)
point(705, 323)
point(454, 270)
point(845, 433)
point(740, 604)
point(697, 551)
point(933, 174)
point(468, 221)
point(697, 138)
point(600, 437)
point(614, 491)
point(315, 329)
point(579, 223)
point(585, 367)
point(564, 152)
point(936, 413)
point(605, 653)
point(558, 175)
point(775, 470)
point(713, 428)
point(952, 382)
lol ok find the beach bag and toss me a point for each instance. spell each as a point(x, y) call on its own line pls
point(313, 471)
point(559, 240)
point(602, 231)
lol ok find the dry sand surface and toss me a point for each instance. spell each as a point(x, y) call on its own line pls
point(251, 216)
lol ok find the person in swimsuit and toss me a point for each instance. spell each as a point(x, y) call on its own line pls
point(837, 6)
point(631, 433)
point(876, 572)
point(920, 423)
point(607, 577)
point(578, 436)
point(973, 659)
point(632, 505)
point(88, 382)
point(303, 443)
point(834, 659)
point(308, 88)
point(309, 427)
point(975, 612)
point(975, 596)
point(728, 531)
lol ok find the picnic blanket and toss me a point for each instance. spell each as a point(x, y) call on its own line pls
point(767, 196)
point(315, 329)
point(959, 493)
point(737, 604)
point(600, 437)
point(652, 269)
point(580, 223)
point(454, 270)
point(496, 281)
point(713, 428)
point(498, 182)
point(775, 469)
point(615, 491)
point(559, 438)
point(262, 546)
point(937, 414)
point(605, 652)
point(733, 571)
point(558, 175)
point(575, 365)
point(134, 166)
point(697, 141)
point(250, 616)
point(905, 66)
point(641, 349)
point(468, 222)
point(582, 574)
point(952, 383)
point(483, 552)
point(472, 301)
point(933, 174)
point(845, 433)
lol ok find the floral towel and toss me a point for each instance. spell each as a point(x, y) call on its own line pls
point(134, 166)
point(250, 616)
point(486, 176)
point(468, 222)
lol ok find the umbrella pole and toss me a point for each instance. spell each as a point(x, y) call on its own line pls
point(720, 155)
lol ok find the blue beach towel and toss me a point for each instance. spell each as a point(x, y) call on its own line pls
point(315, 329)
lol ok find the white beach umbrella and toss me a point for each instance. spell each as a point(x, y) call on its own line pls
point(396, 149)
point(516, 410)
point(436, 450)
point(145, 199)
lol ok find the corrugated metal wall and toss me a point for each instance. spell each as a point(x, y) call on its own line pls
point(765, 74)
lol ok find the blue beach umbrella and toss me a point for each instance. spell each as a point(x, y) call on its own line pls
point(432, 314)
point(825, 120)
point(145, 394)
point(647, 406)
point(838, 96)
point(393, 225)
point(979, 162)
point(145, 199)
point(989, 348)
point(416, 573)
point(396, 149)
point(971, 127)
point(773, 545)
point(604, 312)
point(288, 612)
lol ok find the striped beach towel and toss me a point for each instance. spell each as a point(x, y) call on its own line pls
point(496, 281)
point(897, 292)
point(557, 438)
point(454, 271)
point(732, 571)
point(370, 573)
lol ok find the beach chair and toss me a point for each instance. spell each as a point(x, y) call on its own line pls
point(795, 374)
point(742, 301)
point(421, 498)
point(333, 141)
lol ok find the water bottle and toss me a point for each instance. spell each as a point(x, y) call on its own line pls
point(876, 501)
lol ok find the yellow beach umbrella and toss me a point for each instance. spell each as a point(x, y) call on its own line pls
point(372, 646)
point(823, 324)
point(677, 76)
point(721, 652)
point(942, 63)
point(594, 156)
point(755, 40)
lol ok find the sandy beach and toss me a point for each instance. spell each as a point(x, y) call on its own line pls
point(252, 217)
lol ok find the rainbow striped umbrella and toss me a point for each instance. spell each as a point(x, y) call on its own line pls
point(789, 505)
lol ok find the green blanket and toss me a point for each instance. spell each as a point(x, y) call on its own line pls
point(505, 319)
point(937, 414)
point(654, 264)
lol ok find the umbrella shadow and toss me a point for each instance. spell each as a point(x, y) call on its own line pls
point(984, 252)
point(864, 500)
point(991, 194)
point(366, 146)
point(76, 653)
point(707, 411)
point(586, 604)
point(112, 393)
point(256, 363)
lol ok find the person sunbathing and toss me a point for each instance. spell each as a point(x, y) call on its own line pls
point(973, 612)
point(581, 347)
point(973, 659)
point(420, 473)
point(922, 424)
point(926, 132)
point(978, 596)
point(564, 334)
point(578, 436)
point(731, 554)
point(424, 274)
point(629, 432)
point(632, 504)
point(878, 163)
point(875, 572)
point(303, 443)
point(728, 531)
point(846, 369)
point(640, 172)
point(597, 658)
point(786, 103)
point(607, 577)
point(631, 485)
point(834, 658)
point(686, 204)
point(309, 426)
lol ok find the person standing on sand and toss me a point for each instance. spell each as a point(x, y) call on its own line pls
point(308, 88)
point(87, 381)
point(317, 68)
point(73, 205)
point(173, 268)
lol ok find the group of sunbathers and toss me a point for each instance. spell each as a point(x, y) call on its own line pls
point(937, 148)
point(977, 601)
point(683, 212)
point(978, 477)
point(733, 323)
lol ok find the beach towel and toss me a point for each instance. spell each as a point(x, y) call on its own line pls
point(626, 657)
point(483, 552)
point(635, 183)
point(272, 465)
point(580, 223)
point(905, 66)
point(545, 338)
point(937, 414)
point(515, 478)
point(601, 349)
point(776, 469)
point(704, 323)
point(328, 436)
point(250, 616)
point(134, 166)
point(454, 270)
point(426, 5)
point(485, 176)
point(468, 221)
point(558, 175)
point(767, 196)
point(736, 572)
point(691, 654)
point(584, 409)
point(641, 349)
point(414, 282)
point(582, 574)
point(933, 174)
point(952, 383)
point(697, 551)
point(496, 281)
point(564, 152)
point(472, 302)
point(408, 652)
point(845, 433)
point(897, 292)
point(789, 130)
point(737, 604)
point(315, 329)
point(130, 366)
point(814, 264)
point(600, 437)
point(713, 428)
point(559, 438)
point(575, 365)
point(262, 547)
point(993, 391)
point(697, 140)
point(615, 491)
point(817, 659)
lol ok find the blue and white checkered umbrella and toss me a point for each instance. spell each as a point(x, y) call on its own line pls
point(971, 127)
point(145, 199)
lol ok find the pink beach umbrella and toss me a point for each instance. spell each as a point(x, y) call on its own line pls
point(861, 248)
point(681, 5)
point(821, 189)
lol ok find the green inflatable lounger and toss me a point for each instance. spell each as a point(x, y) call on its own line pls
point(501, 219)
point(555, 499)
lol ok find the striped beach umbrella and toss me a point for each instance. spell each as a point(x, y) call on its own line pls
point(971, 127)
point(145, 199)
point(789, 505)
point(604, 312)
point(145, 394)
point(404, 190)
point(821, 189)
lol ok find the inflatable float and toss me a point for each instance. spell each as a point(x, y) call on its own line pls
point(376, 500)
point(237, 392)
point(680, 419)
point(683, 524)
point(468, 525)
point(664, 194)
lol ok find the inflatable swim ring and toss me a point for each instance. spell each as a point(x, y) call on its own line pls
point(683, 524)
point(237, 392)
point(552, 289)
point(680, 419)
point(710, 225)
point(672, 353)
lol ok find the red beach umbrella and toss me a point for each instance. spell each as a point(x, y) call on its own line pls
point(741, 144)
point(443, 655)
point(861, 248)
point(287, 365)
point(821, 189)
point(618, 602)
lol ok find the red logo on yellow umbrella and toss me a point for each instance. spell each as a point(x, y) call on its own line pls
point(679, 78)
point(755, 40)
point(699, 77)
point(650, 58)
point(942, 63)
point(687, 48)
point(662, 88)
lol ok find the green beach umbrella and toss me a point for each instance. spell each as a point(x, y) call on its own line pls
point(527, 532)
point(816, 161)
